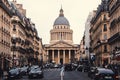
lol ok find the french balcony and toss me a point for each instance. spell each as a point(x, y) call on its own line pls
point(114, 7)
point(114, 38)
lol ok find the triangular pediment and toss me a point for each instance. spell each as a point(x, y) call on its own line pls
point(61, 44)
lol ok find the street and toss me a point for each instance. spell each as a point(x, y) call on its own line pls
point(54, 74)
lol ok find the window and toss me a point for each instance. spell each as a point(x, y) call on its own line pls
point(14, 27)
point(104, 17)
point(105, 27)
point(105, 48)
point(105, 36)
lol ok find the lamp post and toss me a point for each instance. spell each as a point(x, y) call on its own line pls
point(14, 47)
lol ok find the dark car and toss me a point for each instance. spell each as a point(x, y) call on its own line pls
point(68, 67)
point(86, 68)
point(32, 67)
point(14, 73)
point(24, 70)
point(104, 74)
point(91, 72)
point(35, 73)
point(80, 68)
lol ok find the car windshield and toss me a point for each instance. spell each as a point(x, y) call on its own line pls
point(35, 69)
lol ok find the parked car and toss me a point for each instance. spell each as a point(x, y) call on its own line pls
point(115, 68)
point(68, 67)
point(86, 68)
point(24, 70)
point(32, 67)
point(36, 73)
point(74, 66)
point(14, 73)
point(91, 72)
point(103, 74)
point(80, 68)
point(56, 66)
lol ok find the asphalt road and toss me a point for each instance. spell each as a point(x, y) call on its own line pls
point(54, 74)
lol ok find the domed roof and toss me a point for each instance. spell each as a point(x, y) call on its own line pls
point(61, 20)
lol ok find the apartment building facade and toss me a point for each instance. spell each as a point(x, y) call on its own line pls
point(99, 34)
point(114, 40)
point(5, 37)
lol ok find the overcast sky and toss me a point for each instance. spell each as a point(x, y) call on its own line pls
point(44, 12)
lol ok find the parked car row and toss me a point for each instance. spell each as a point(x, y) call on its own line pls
point(33, 71)
point(83, 68)
point(51, 65)
point(97, 73)
point(70, 66)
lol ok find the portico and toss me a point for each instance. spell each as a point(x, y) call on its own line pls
point(61, 55)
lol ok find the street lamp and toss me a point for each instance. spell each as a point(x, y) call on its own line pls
point(14, 47)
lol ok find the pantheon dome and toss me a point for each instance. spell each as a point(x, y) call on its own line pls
point(61, 20)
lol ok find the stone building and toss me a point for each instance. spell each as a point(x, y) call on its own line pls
point(61, 48)
point(5, 37)
point(87, 34)
point(83, 56)
point(25, 43)
point(114, 40)
point(18, 34)
point(99, 34)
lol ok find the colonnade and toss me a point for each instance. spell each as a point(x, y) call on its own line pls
point(60, 56)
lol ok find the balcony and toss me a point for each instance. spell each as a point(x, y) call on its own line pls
point(113, 23)
point(114, 38)
point(114, 7)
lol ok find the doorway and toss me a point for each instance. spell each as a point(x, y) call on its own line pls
point(61, 60)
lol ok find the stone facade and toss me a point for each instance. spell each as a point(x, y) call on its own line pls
point(100, 34)
point(114, 41)
point(5, 37)
point(19, 40)
point(61, 48)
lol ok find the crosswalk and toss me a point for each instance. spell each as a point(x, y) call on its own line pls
point(54, 69)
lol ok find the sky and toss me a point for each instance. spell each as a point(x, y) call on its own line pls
point(44, 12)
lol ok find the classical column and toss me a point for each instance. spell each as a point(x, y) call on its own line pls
point(63, 56)
point(69, 56)
point(53, 58)
point(58, 56)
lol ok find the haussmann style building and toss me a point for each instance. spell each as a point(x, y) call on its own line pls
point(61, 48)
point(114, 40)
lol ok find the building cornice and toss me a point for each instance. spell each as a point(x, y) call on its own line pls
point(4, 7)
